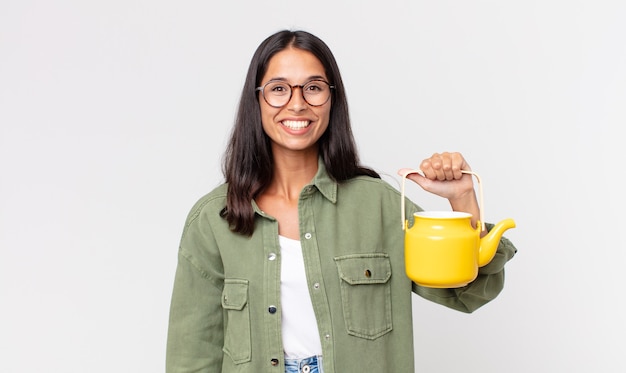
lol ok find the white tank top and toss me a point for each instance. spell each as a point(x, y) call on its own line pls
point(299, 326)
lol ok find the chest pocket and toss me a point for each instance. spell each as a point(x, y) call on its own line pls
point(366, 293)
point(237, 342)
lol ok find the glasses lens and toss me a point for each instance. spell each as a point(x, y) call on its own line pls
point(315, 93)
point(277, 93)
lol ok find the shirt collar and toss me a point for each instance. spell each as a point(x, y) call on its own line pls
point(324, 183)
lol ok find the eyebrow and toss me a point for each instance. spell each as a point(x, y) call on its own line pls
point(312, 77)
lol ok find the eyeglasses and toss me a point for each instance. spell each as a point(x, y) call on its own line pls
point(278, 93)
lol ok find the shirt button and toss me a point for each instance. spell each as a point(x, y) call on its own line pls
point(316, 285)
point(327, 336)
point(274, 362)
point(307, 236)
point(271, 256)
point(272, 309)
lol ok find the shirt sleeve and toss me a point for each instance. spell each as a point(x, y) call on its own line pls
point(486, 287)
point(195, 334)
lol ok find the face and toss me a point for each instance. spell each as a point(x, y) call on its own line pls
point(297, 126)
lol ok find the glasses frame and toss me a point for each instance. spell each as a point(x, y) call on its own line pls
point(291, 88)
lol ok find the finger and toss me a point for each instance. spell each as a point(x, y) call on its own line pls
point(441, 166)
point(451, 165)
point(427, 167)
point(447, 165)
point(458, 164)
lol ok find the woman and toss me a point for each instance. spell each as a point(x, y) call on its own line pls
point(296, 263)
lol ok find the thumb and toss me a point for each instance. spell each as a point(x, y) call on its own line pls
point(409, 172)
point(415, 175)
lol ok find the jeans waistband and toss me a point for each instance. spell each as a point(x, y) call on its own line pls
point(311, 364)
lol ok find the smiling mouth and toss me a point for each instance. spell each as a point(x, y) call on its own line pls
point(296, 124)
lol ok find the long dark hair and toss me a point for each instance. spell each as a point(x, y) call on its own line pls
point(248, 162)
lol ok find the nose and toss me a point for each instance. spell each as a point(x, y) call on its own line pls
point(296, 102)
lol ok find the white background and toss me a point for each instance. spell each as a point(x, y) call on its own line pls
point(114, 116)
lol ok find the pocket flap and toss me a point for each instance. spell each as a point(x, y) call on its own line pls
point(235, 294)
point(358, 269)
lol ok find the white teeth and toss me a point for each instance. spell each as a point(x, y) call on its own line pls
point(296, 124)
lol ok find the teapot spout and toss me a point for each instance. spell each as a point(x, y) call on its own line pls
point(489, 243)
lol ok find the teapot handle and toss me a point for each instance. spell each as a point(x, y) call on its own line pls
point(480, 193)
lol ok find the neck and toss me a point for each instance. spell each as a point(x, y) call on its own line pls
point(292, 172)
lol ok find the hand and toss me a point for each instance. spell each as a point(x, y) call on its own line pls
point(443, 177)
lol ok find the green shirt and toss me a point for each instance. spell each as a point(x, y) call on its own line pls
point(226, 314)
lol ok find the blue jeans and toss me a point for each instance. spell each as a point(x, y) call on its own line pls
point(311, 364)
